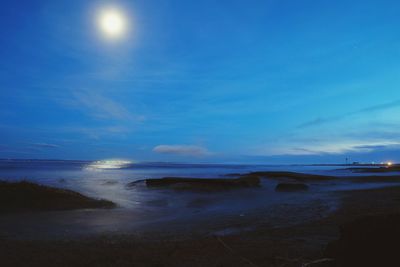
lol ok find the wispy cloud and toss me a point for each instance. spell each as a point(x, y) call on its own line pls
point(44, 145)
point(373, 147)
point(321, 120)
point(96, 132)
point(102, 107)
point(15, 149)
point(77, 132)
point(342, 148)
point(189, 150)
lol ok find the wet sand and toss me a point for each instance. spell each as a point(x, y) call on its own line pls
point(265, 245)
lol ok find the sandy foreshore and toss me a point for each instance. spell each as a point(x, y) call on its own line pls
point(265, 245)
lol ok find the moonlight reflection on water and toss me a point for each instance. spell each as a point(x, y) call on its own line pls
point(108, 164)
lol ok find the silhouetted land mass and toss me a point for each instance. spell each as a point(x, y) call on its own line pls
point(181, 183)
point(27, 196)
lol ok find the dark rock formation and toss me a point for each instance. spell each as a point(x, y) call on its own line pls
point(202, 183)
point(291, 175)
point(110, 182)
point(291, 187)
point(27, 196)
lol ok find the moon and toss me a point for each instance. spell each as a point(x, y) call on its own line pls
point(112, 23)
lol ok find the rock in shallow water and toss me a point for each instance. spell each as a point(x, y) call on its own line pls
point(180, 183)
point(291, 187)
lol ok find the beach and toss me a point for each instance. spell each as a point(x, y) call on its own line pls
point(250, 226)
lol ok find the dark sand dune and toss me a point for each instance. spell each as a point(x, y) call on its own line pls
point(27, 196)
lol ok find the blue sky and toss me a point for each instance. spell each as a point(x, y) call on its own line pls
point(202, 81)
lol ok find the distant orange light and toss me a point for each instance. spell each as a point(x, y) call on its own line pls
point(389, 163)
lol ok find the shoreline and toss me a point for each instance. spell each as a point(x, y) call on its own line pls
point(265, 245)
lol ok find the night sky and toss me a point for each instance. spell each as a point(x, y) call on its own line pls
point(201, 81)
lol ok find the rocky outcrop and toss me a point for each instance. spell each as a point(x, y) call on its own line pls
point(291, 187)
point(291, 175)
point(27, 196)
point(181, 183)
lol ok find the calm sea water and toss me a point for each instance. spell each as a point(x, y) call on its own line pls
point(111, 183)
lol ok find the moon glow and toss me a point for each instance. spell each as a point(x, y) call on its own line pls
point(112, 23)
